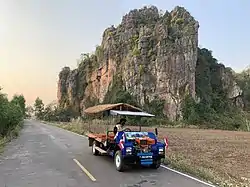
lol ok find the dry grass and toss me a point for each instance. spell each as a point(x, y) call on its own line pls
point(213, 155)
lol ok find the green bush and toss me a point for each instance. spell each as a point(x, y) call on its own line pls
point(11, 113)
point(205, 116)
point(189, 110)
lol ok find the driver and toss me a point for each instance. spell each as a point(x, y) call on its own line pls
point(120, 124)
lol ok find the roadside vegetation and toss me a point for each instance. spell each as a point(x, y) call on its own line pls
point(12, 114)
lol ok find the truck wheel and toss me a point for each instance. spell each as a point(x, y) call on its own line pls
point(94, 151)
point(156, 164)
point(119, 162)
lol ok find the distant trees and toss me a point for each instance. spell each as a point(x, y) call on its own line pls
point(12, 112)
point(52, 113)
point(39, 108)
point(29, 111)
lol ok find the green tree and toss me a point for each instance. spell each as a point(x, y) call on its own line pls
point(39, 108)
point(19, 100)
point(214, 108)
point(11, 113)
point(189, 110)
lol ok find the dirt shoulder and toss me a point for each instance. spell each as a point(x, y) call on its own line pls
point(216, 156)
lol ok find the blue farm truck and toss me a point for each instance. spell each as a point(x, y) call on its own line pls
point(128, 147)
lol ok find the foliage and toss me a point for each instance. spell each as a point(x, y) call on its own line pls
point(155, 107)
point(11, 113)
point(136, 51)
point(243, 80)
point(179, 21)
point(91, 101)
point(214, 109)
point(134, 40)
point(58, 114)
point(116, 93)
point(53, 113)
point(189, 110)
point(38, 108)
point(19, 100)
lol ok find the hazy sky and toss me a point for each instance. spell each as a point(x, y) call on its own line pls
point(39, 37)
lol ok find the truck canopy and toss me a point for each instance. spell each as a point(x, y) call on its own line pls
point(130, 113)
point(107, 107)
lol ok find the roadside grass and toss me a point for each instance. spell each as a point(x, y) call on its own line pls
point(215, 156)
point(12, 134)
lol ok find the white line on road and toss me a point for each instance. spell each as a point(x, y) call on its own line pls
point(52, 137)
point(84, 170)
point(188, 176)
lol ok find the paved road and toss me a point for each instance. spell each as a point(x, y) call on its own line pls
point(43, 156)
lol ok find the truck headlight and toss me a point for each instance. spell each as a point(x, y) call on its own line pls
point(161, 150)
point(129, 150)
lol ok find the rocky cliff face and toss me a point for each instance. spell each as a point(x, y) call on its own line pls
point(153, 56)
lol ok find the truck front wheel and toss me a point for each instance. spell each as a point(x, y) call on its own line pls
point(119, 162)
point(156, 164)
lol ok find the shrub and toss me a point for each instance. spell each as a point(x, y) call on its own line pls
point(11, 113)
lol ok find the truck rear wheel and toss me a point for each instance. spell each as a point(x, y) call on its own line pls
point(119, 162)
point(94, 151)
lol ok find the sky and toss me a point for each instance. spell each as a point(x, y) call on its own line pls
point(39, 37)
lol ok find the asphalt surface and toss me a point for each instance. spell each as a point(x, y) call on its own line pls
point(43, 156)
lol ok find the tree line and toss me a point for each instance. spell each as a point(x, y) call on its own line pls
point(51, 112)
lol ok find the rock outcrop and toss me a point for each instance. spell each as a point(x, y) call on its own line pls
point(153, 56)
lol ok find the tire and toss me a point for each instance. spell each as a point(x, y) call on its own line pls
point(94, 151)
point(156, 164)
point(119, 162)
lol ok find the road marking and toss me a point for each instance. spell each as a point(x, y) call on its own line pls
point(52, 137)
point(188, 176)
point(84, 170)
